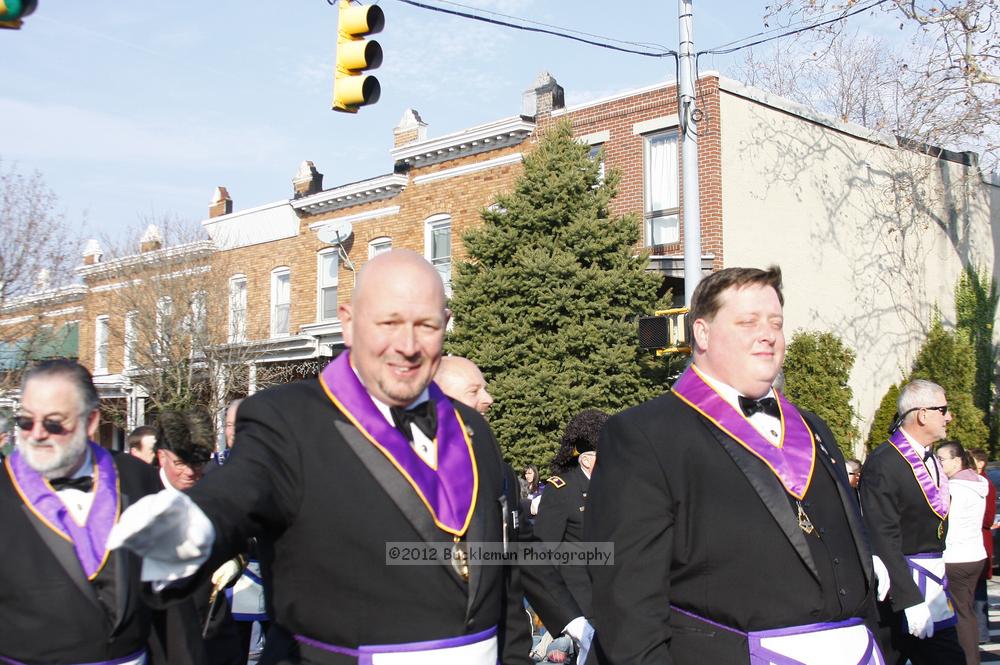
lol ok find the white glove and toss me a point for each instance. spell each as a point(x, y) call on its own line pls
point(918, 618)
point(169, 531)
point(582, 633)
point(882, 577)
point(225, 574)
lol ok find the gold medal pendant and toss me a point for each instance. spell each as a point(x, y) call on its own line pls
point(460, 559)
point(804, 522)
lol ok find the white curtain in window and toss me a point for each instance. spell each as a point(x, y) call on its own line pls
point(661, 174)
point(282, 302)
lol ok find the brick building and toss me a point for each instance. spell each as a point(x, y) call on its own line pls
point(778, 184)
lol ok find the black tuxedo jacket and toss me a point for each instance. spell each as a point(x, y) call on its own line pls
point(560, 519)
point(324, 502)
point(899, 520)
point(699, 522)
point(49, 611)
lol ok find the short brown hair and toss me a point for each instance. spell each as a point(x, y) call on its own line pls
point(705, 301)
point(136, 436)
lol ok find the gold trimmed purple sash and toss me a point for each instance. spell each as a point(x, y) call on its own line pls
point(89, 540)
point(938, 498)
point(792, 460)
point(449, 490)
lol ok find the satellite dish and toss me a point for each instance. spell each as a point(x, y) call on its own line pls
point(335, 233)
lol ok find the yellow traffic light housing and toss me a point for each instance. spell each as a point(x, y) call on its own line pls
point(666, 331)
point(352, 87)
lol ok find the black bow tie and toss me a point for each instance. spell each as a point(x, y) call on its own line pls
point(765, 405)
point(83, 483)
point(423, 415)
point(928, 453)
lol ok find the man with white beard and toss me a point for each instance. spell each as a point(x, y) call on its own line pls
point(64, 598)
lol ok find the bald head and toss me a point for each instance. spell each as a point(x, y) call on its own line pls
point(394, 326)
point(460, 379)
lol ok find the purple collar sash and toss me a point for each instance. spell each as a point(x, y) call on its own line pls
point(792, 460)
point(938, 498)
point(449, 489)
point(90, 538)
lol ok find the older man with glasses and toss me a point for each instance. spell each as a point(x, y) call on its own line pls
point(905, 501)
point(64, 598)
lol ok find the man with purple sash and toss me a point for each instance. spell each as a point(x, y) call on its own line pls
point(329, 471)
point(904, 497)
point(737, 537)
point(64, 596)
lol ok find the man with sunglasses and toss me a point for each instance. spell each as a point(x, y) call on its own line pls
point(904, 498)
point(64, 598)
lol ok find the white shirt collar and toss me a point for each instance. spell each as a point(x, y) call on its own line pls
point(730, 394)
point(384, 408)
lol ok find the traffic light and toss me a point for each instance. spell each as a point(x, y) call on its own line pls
point(356, 55)
point(665, 332)
point(12, 11)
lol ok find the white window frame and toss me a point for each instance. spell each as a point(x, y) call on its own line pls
point(651, 217)
point(164, 331)
point(276, 275)
point(324, 282)
point(378, 246)
point(128, 354)
point(237, 315)
point(594, 154)
point(431, 224)
point(102, 339)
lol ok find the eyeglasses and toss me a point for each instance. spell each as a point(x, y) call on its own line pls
point(943, 410)
point(854, 473)
point(27, 423)
point(944, 459)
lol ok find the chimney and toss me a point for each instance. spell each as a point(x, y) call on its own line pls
point(92, 252)
point(543, 97)
point(151, 240)
point(221, 203)
point(43, 280)
point(409, 130)
point(307, 181)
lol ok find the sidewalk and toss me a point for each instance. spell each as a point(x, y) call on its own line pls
point(990, 653)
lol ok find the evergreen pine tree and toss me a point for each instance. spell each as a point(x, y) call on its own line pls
point(884, 417)
point(976, 301)
point(817, 369)
point(546, 303)
point(948, 359)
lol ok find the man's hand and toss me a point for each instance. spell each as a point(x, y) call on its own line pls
point(881, 577)
point(169, 531)
point(227, 574)
point(919, 622)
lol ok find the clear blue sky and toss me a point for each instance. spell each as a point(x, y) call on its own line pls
point(134, 111)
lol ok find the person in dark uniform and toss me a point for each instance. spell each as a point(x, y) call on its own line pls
point(563, 506)
point(64, 597)
point(330, 471)
point(736, 535)
point(905, 499)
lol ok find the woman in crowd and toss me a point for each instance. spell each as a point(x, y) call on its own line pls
point(964, 554)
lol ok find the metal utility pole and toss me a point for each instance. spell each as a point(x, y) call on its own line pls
point(687, 78)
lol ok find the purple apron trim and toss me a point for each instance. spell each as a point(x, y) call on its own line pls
point(760, 655)
point(365, 652)
point(792, 460)
point(937, 497)
point(449, 491)
point(116, 661)
point(922, 575)
point(89, 540)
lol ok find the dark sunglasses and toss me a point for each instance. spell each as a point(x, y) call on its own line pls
point(26, 424)
point(943, 410)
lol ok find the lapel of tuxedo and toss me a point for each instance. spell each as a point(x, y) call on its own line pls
point(395, 486)
point(65, 555)
point(771, 492)
point(848, 498)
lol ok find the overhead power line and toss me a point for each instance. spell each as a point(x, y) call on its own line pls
point(548, 30)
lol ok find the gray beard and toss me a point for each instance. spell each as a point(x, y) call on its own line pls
point(62, 462)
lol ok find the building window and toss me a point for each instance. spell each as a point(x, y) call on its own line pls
point(164, 325)
point(660, 188)
point(199, 314)
point(437, 246)
point(102, 333)
point(130, 338)
point(328, 264)
point(281, 301)
point(596, 155)
point(379, 246)
point(237, 308)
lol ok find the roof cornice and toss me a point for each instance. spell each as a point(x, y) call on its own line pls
point(49, 296)
point(192, 250)
point(491, 136)
point(366, 191)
